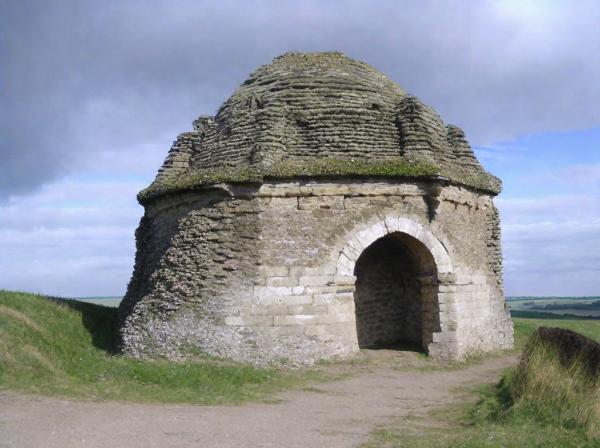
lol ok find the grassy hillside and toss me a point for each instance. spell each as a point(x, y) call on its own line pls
point(67, 349)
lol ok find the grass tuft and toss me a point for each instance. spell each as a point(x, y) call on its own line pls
point(555, 392)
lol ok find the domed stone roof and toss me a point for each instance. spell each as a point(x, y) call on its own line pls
point(315, 115)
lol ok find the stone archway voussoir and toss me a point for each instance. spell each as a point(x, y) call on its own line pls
point(391, 224)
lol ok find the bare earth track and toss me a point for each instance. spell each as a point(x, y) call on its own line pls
point(335, 414)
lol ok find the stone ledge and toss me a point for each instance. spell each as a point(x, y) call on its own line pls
point(249, 321)
point(281, 281)
point(297, 319)
point(319, 280)
point(307, 309)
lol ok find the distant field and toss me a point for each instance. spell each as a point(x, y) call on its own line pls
point(565, 306)
point(106, 301)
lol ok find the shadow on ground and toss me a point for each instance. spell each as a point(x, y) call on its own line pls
point(99, 320)
point(397, 346)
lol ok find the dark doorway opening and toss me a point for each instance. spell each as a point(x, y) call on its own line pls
point(396, 294)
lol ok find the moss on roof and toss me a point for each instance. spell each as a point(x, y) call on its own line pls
point(400, 168)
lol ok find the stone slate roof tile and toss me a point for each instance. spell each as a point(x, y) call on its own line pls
point(319, 109)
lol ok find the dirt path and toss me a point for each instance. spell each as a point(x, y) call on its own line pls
point(337, 414)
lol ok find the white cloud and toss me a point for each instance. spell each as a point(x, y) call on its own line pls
point(550, 245)
point(585, 176)
point(99, 92)
point(128, 76)
point(72, 238)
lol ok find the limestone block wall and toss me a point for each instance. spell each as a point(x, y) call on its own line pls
point(266, 272)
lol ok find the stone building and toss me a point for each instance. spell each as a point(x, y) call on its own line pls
point(321, 210)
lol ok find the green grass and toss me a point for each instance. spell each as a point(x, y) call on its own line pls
point(67, 349)
point(476, 426)
point(524, 327)
point(545, 390)
point(544, 405)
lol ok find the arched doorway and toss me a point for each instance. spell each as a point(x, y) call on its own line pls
point(396, 293)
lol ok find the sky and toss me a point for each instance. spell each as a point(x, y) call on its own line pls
point(92, 94)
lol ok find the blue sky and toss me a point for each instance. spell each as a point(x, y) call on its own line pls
point(550, 210)
point(92, 95)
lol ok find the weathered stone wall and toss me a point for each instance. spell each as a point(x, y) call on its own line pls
point(266, 273)
point(195, 263)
